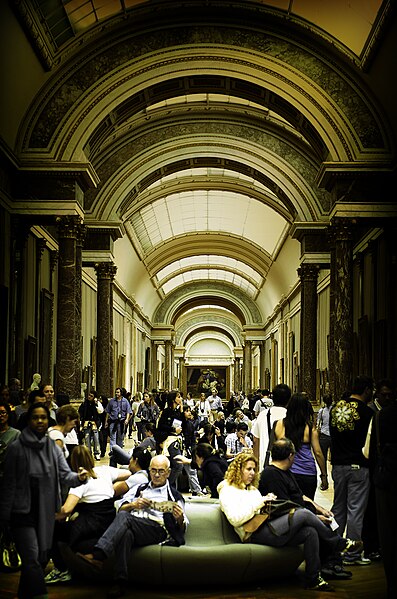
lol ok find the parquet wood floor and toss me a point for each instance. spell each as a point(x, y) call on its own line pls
point(367, 583)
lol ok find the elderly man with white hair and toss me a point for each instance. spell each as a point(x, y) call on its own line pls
point(155, 516)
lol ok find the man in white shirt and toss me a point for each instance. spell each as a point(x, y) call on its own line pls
point(281, 395)
point(157, 516)
point(238, 441)
point(263, 402)
point(216, 405)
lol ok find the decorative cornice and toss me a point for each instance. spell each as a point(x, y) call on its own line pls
point(37, 32)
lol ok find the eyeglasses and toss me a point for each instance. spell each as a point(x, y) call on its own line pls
point(160, 471)
point(2, 412)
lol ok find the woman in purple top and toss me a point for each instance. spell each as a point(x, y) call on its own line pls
point(298, 425)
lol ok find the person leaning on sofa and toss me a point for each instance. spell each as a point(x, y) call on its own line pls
point(241, 500)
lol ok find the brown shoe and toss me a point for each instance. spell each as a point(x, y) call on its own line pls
point(89, 559)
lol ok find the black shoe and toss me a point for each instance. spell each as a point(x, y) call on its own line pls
point(336, 572)
point(117, 590)
point(319, 584)
point(373, 556)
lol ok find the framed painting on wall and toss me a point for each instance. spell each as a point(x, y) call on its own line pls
point(205, 378)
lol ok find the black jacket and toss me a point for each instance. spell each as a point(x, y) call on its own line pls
point(213, 469)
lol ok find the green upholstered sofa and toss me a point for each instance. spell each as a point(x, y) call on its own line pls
point(213, 554)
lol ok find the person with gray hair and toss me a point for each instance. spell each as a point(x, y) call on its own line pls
point(155, 516)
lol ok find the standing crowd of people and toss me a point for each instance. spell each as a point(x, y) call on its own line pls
point(246, 452)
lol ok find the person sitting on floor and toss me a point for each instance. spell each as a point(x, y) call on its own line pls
point(122, 457)
point(147, 523)
point(238, 441)
point(212, 464)
point(241, 500)
point(138, 467)
point(87, 511)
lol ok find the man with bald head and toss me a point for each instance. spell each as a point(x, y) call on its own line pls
point(156, 516)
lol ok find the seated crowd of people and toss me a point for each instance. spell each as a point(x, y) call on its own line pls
point(247, 452)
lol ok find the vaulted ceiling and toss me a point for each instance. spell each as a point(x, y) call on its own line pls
point(207, 132)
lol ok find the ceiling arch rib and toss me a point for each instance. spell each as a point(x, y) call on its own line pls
point(207, 211)
point(216, 274)
point(209, 262)
point(226, 93)
point(222, 244)
point(219, 294)
point(307, 79)
point(193, 319)
point(289, 170)
point(216, 180)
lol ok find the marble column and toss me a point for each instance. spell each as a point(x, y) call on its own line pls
point(54, 256)
point(237, 382)
point(308, 274)
point(341, 309)
point(167, 365)
point(154, 365)
point(68, 359)
point(332, 289)
point(182, 376)
point(105, 272)
point(79, 273)
point(261, 365)
point(19, 236)
point(40, 247)
point(248, 367)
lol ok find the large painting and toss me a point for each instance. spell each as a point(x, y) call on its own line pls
point(205, 379)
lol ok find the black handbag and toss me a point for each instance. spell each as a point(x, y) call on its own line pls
point(279, 507)
point(10, 559)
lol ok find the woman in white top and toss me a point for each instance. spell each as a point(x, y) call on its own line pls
point(88, 511)
point(138, 467)
point(241, 501)
point(67, 418)
point(203, 408)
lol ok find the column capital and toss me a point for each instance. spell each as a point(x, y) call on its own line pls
point(69, 227)
point(341, 229)
point(41, 246)
point(308, 272)
point(105, 270)
point(54, 256)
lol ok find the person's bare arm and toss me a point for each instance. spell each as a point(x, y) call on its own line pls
point(318, 454)
point(255, 446)
point(68, 507)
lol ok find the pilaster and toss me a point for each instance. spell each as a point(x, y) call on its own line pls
point(68, 359)
point(341, 304)
point(308, 274)
point(106, 272)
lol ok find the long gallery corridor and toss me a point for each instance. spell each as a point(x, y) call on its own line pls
point(198, 195)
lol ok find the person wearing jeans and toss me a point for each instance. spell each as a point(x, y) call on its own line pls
point(118, 413)
point(349, 421)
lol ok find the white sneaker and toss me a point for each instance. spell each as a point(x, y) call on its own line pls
point(56, 576)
